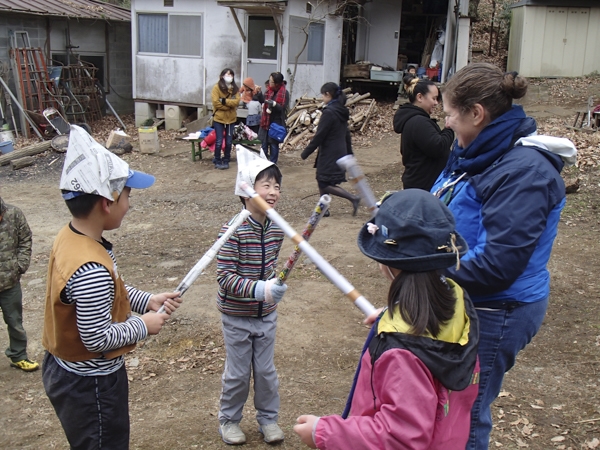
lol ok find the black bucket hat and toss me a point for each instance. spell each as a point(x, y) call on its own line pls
point(413, 231)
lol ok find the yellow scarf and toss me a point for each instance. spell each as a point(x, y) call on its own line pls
point(456, 330)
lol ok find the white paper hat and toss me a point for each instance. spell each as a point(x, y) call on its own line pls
point(91, 169)
point(250, 164)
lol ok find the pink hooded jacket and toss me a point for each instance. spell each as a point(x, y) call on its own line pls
point(412, 393)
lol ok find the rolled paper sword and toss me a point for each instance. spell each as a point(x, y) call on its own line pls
point(321, 207)
point(350, 165)
point(327, 269)
point(208, 256)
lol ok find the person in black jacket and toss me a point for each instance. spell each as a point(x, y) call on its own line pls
point(333, 140)
point(425, 147)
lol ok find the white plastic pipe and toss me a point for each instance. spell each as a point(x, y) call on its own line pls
point(350, 165)
point(327, 269)
point(208, 256)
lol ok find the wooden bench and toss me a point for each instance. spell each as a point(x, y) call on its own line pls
point(200, 149)
point(197, 152)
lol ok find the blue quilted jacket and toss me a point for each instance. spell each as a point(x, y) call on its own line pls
point(507, 206)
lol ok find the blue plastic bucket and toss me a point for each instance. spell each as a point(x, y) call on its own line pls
point(6, 147)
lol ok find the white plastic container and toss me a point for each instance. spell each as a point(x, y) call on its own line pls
point(7, 135)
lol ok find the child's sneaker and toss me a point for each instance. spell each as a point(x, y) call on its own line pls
point(26, 365)
point(232, 434)
point(271, 432)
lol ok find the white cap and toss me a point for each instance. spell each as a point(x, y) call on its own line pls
point(250, 164)
point(91, 169)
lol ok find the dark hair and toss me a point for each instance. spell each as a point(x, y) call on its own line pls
point(487, 85)
point(271, 172)
point(81, 206)
point(413, 85)
point(335, 91)
point(424, 300)
point(223, 86)
point(277, 78)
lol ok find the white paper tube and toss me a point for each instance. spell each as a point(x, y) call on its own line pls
point(208, 256)
point(327, 269)
point(313, 221)
point(350, 165)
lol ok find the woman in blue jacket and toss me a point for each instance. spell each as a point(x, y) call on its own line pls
point(504, 187)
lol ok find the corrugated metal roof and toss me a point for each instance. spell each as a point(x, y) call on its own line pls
point(78, 9)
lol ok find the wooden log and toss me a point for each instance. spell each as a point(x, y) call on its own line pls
point(22, 162)
point(292, 117)
point(357, 99)
point(299, 137)
point(357, 117)
point(305, 100)
point(346, 90)
point(368, 115)
point(26, 151)
point(305, 106)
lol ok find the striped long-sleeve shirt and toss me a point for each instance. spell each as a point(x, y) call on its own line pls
point(92, 291)
point(249, 255)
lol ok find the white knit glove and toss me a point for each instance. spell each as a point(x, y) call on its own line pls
point(269, 291)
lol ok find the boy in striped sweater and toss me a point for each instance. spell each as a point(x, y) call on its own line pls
point(247, 299)
point(88, 325)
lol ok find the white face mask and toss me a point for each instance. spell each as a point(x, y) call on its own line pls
point(228, 80)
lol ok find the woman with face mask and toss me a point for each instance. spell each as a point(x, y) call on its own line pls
point(225, 99)
point(425, 147)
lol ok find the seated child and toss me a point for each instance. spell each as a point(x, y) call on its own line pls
point(247, 299)
point(88, 325)
point(418, 376)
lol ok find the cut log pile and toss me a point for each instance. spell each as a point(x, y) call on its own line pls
point(303, 119)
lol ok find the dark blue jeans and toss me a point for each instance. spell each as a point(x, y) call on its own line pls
point(502, 335)
point(270, 147)
point(94, 410)
point(219, 128)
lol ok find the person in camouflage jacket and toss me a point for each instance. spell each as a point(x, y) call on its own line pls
point(15, 255)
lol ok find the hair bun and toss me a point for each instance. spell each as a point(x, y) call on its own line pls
point(514, 85)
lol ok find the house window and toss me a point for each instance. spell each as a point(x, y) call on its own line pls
point(170, 34)
point(313, 33)
point(168, 3)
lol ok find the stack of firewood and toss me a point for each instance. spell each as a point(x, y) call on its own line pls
point(303, 119)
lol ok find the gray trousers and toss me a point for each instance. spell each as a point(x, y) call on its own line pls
point(250, 346)
point(12, 311)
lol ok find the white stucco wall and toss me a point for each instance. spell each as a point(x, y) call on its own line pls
point(310, 77)
point(383, 23)
point(183, 79)
point(189, 80)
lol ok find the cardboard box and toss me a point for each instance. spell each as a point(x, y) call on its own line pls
point(386, 75)
point(117, 139)
point(357, 70)
point(148, 137)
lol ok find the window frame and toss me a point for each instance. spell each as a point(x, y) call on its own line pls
point(294, 32)
point(168, 37)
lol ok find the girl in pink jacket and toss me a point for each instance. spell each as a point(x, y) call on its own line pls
point(418, 375)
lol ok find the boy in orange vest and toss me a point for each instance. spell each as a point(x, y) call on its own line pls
point(88, 325)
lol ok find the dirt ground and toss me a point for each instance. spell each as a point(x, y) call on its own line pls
point(550, 399)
